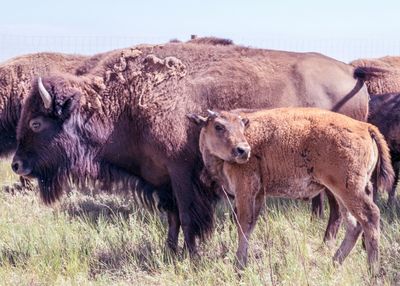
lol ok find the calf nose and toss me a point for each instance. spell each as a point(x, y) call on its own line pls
point(242, 150)
point(16, 165)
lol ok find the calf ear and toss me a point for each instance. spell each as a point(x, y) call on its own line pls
point(199, 120)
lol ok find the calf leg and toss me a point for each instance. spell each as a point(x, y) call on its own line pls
point(353, 231)
point(362, 207)
point(334, 219)
point(371, 226)
point(248, 208)
point(368, 215)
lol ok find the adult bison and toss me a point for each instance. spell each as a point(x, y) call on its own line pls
point(126, 119)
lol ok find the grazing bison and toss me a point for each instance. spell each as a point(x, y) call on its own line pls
point(125, 119)
point(296, 153)
point(388, 81)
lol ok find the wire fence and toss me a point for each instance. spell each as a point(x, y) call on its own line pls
point(342, 49)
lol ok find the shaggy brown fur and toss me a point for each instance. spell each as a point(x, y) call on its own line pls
point(385, 114)
point(127, 116)
point(388, 81)
point(295, 153)
point(16, 76)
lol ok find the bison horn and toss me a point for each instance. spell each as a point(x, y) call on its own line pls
point(44, 94)
point(212, 113)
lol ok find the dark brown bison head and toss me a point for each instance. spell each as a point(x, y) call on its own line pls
point(60, 141)
point(47, 135)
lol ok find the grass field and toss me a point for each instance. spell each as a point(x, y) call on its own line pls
point(107, 240)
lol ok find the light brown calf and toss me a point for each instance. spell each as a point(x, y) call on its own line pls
point(296, 153)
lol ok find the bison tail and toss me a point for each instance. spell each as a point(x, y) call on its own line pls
point(366, 73)
point(384, 170)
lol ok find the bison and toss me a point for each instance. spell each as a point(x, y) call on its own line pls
point(124, 121)
point(296, 153)
point(383, 113)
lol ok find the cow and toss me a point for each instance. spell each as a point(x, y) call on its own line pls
point(296, 153)
point(16, 76)
point(124, 120)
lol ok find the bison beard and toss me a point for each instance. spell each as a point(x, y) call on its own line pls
point(72, 159)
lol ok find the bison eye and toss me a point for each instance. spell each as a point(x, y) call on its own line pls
point(35, 125)
point(219, 127)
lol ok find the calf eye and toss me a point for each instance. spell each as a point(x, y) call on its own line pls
point(35, 125)
point(219, 127)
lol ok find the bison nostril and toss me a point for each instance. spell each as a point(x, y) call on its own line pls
point(15, 166)
point(240, 151)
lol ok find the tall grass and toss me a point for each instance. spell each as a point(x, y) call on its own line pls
point(106, 239)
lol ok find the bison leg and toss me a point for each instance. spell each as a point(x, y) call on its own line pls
point(173, 230)
point(334, 219)
point(317, 206)
point(353, 231)
point(368, 215)
point(183, 194)
point(365, 211)
point(193, 215)
point(249, 200)
point(371, 227)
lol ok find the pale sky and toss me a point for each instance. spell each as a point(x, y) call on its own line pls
point(342, 29)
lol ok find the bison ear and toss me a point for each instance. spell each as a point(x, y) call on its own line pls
point(64, 108)
point(199, 120)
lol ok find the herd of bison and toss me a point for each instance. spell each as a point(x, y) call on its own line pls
point(153, 120)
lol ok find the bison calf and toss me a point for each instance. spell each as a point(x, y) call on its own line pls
point(296, 153)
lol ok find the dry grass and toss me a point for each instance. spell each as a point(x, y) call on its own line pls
point(103, 240)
